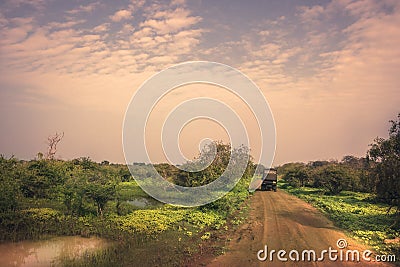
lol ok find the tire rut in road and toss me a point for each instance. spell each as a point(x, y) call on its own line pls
point(283, 221)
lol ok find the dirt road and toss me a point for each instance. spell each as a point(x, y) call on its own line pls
point(284, 222)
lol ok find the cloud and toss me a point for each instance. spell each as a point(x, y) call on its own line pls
point(336, 76)
point(178, 2)
point(166, 34)
point(355, 81)
point(365, 8)
point(73, 47)
point(122, 14)
point(171, 21)
point(84, 8)
point(15, 30)
point(370, 51)
point(264, 33)
point(136, 4)
point(67, 24)
point(101, 28)
point(3, 20)
point(35, 5)
point(310, 14)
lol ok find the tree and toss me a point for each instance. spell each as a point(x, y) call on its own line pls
point(100, 188)
point(100, 193)
point(385, 156)
point(216, 156)
point(125, 174)
point(298, 176)
point(52, 142)
point(333, 177)
point(85, 189)
point(282, 170)
point(10, 193)
point(73, 193)
point(319, 163)
point(352, 161)
point(41, 179)
point(166, 170)
point(86, 163)
point(105, 162)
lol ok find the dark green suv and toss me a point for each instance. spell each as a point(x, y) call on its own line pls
point(270, 178)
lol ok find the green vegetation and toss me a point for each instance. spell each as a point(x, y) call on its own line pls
point(45, 197)
point(385, 154)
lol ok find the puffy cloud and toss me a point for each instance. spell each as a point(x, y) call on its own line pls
point(171, 21)
point(67, 24)
point(178, 2)
point(121, 15)
point(102, 27)
point(312, 13)
point(136, 4)
point(84, 8)
point(37, 5)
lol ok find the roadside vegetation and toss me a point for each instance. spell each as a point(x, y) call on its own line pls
point(45, 197)
point(361, 195)
point(358, 213)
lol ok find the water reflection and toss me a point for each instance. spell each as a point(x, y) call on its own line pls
point(140, 202)
point(144, 202)
point(46, 252)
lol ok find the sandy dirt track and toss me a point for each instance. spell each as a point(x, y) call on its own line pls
point(283, 221)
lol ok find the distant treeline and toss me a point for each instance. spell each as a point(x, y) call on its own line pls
point(378, 172)
point(80, 196)
point(78, 186)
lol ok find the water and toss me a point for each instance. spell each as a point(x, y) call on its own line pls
point(139, 202)
point(144, 202)
point(46, 252)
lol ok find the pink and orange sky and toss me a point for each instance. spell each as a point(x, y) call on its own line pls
point(329, 70)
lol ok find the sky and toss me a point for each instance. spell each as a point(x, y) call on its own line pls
point(328, 69)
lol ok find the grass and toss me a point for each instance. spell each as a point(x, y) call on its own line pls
point(156, 234)
point(80, 197)
point(192, 237)
point(357, 213)
point(130, 190)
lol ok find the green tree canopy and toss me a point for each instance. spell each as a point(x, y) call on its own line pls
point(385, 154)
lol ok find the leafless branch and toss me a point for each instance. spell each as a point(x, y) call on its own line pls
point(52, 142)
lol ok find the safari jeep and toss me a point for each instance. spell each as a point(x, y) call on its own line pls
point(270, 178)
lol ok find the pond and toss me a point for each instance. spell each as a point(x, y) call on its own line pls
point(47, 252)
point(142, 202)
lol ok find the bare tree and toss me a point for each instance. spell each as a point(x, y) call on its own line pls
point(52, 142)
